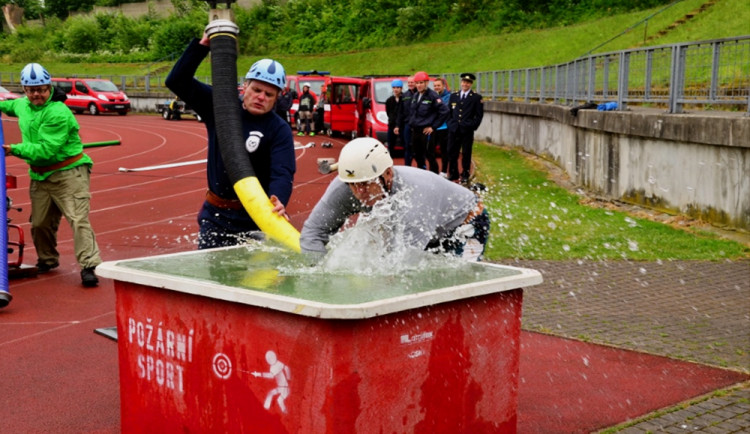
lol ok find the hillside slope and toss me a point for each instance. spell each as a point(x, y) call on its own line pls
point(681, 21)
point(724, 18)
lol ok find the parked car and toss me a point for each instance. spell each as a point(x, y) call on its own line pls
point(344, 109)
point(6, 94)
point(93, 95)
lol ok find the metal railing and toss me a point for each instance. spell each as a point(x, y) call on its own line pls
point(707, 73)
point(126, 83)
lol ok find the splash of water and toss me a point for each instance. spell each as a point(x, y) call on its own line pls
point(377, 244)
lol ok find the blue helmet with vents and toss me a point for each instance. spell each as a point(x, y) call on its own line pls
point(269, 71)
point(397, 83)
point(34, 74)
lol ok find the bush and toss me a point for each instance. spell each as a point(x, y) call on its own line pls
point(172, 35)
point(82, 35)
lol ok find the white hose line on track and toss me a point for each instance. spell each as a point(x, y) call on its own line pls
point(162, 166)
point(188, 163)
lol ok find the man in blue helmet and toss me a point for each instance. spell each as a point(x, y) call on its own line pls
point(59, 170)
point(393, 109)
point(269, 145)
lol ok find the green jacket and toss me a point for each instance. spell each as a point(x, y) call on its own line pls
point(49, 133)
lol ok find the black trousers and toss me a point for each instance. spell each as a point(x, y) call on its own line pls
point(438, 142)
point(419, 142)
point(460, 142)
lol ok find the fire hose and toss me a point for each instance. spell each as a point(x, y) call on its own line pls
point(222, 35)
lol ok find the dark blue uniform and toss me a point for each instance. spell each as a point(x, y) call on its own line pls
point(466, 115)
point(404, 129)
point(269, 146)
point(425, 110)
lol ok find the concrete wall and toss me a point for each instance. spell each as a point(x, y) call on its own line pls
point(694, 164)
point(160, 7)
point(146, 102)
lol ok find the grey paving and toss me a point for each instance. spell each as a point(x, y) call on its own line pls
point(688, 310)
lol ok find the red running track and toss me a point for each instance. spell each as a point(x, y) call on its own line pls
point(58, 376)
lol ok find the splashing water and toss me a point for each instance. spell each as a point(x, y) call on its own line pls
point(378, 244)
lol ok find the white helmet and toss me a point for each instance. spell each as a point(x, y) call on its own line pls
point(363, 159)
point(306, 85)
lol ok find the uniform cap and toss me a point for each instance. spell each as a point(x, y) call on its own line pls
point(468, 76)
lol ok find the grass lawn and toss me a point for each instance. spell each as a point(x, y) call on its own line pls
point(534, 218)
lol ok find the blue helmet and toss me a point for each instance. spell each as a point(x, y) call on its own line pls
point(34, 74)
point(397, 83)
point(269, 71)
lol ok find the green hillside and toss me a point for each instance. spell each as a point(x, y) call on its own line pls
point(681, 21)
point(725, 18)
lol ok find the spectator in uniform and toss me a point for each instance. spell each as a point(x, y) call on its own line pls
point(284, 103)
point(403, 130)
point(223, 219)
point(467, 111)
point(320, 111)
point(439, 138)
point(392, 109)
point(306, 104)
point(425, 114)
point(59, 170)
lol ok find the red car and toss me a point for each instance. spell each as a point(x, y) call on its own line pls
point(6, 94)
point(344, 109)
point(93, 95)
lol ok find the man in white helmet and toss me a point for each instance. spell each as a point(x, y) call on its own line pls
point(305, 109)
point(437, 214)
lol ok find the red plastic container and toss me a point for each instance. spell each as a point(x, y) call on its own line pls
point(201, 356)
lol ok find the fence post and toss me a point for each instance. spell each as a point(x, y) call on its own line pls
point(715, 58)
point(591, 79)
point(622, 80)
point(526, 87)
point(542, 82)
point(494, 85)
point(648, 72)
point(605, 77)
point(569, 82)
point(677, 79)
point(573, 76)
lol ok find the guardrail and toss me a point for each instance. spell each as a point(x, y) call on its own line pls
point(705, 73)
point(714, 72)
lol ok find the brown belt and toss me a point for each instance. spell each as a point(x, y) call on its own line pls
point(44, 169)
point(220, 202)
point(474, 212)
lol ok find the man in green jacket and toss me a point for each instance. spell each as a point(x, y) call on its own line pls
point(59, 170)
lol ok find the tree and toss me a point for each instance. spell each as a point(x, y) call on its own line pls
point(63, 8)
